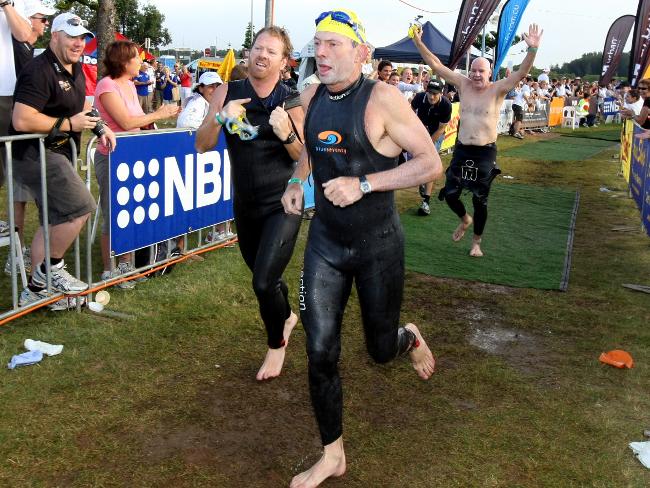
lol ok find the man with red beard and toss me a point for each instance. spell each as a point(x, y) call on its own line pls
point(354, 130)
point(261, 168)
point(474, 165)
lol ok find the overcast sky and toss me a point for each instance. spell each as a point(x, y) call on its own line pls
point(571, 28)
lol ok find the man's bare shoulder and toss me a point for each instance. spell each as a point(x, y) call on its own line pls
point(307, 94)
point(386, 95)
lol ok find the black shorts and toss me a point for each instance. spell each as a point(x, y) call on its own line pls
point(518, 113)
point(472, 168)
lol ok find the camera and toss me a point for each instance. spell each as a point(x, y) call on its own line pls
point(99, 129)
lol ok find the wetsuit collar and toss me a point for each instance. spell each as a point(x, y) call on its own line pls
point(340, 95)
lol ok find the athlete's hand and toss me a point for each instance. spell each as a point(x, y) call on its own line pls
point(533, 36)
point(292, 199)
point(279, 121)
point(643, 135)
point(235, 108)
point(343, 191)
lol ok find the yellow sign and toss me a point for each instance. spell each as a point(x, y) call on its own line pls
point(555, 115)
point(206, 64)
point(451, 131)
point(626, 148)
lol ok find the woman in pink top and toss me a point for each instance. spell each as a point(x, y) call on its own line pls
point(117, 102)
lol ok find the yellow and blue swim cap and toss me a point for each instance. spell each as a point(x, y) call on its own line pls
point(344, 22)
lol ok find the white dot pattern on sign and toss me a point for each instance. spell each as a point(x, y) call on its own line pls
point(154, 189)
point(138, 215)
point(123, 219)
point(138, 169)
point(154, 211)
point(154, 167)
point(138, 193)
point(123, 195)
point(123, 172)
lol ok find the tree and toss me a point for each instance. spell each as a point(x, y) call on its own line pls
point(248, 36)
point(491, 41)
point(105, 31)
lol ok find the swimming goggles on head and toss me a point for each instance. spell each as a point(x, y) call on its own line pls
point(343, 18)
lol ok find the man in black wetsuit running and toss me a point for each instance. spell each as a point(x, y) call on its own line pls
point(354, 130)
point(474, 164)
point(261, 168)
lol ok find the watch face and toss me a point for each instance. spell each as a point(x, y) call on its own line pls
point(365, 187)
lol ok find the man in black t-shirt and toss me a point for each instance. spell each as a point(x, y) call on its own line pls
point(50, 98)
point(434, 111)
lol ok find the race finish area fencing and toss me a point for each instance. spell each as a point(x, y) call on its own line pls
point(160, 189)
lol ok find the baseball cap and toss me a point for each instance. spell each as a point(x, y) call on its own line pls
point(71, 24)
point(434, 86)
point(33, 7)
point(210, 78)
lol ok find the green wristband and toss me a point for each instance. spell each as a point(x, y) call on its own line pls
point(531, 49)
point(218, 119)
point(294, 180)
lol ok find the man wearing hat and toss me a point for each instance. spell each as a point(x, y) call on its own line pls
point(50, 98)
point(354, 130)
point(434, 111)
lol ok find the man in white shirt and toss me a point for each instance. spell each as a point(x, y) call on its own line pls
point(13, 22)
point(543, 76)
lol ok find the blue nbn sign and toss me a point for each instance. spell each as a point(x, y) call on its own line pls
point(160, 188)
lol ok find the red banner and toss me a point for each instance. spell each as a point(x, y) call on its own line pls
point(639, 56)
point(613, 50)
point(474, 14)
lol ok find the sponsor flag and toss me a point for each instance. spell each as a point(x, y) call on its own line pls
point(227, 65)
point(474, 14)
point(614, 44)
point(640, 55)
point(508, 25)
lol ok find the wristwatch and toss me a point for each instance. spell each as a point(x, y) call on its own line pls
point(6, 2)
point(364, 184)
point(290, 138)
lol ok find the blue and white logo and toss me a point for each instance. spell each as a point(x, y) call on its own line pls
point(162, 188)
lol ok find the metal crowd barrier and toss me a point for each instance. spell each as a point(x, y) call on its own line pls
point(91, 230)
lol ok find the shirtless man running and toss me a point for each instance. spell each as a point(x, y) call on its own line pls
point(473, 166)
point(354, 130)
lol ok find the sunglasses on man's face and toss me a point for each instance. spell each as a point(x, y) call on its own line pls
point(44, 20)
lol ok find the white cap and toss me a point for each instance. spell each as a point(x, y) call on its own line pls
point(210, 78)
point(71, 24)
point(33, 7)
point(546, 70)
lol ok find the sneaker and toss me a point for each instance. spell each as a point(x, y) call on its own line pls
point(214, 237)
point(61, 280)
point(4, 228)
point(117, 273)
point(424, 209)
point(422, 189)
point(518, 135)
point(27, 260)
point(27, 297)
point(127, 267)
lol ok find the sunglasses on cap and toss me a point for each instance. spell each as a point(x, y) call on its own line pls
point(76, 22)
point(341, 17)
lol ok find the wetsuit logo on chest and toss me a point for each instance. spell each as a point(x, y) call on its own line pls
point(469, 171)
point(328, 139)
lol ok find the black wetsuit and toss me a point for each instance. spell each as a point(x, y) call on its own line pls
point(261, 168)
point(472, 168)
point(361, 242)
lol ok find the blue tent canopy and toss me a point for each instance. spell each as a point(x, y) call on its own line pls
point(404, 51)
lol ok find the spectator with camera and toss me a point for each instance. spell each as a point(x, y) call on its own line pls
point(117, 102)
point(50, 98)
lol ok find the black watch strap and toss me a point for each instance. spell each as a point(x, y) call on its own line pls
point(290, 138)
point(5, 3)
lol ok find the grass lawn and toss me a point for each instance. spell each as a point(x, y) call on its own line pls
point(166, 395)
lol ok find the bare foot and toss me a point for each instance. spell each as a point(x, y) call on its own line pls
point(330, 465)
point(421, 357)
point(459, 233)
point(272, 365)
point(475, 250)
